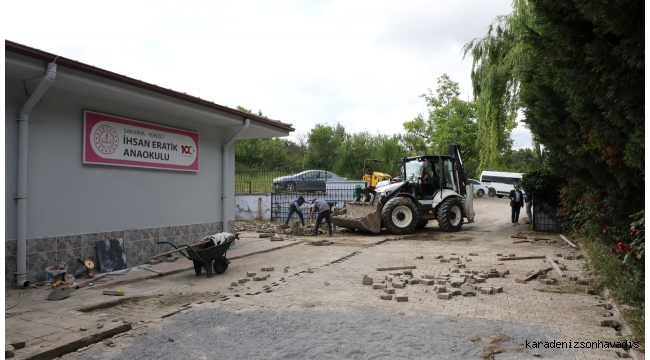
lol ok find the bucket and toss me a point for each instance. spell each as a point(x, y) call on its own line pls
point(55, 273)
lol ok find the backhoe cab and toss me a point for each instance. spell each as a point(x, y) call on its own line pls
point(432, 187)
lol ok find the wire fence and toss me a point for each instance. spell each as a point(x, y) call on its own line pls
point(262, 181)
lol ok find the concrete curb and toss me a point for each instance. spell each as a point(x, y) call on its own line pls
point(61, 350)
point(191, 267)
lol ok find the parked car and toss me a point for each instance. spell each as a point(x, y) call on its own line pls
point(310, 180)
point(480, 188)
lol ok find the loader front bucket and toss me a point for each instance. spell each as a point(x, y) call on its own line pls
point(359, 216)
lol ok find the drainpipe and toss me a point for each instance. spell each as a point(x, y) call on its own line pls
point(224, 163)
point(21, 215)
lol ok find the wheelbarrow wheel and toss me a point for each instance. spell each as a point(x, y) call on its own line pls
point(220, 265)
point(198, 266)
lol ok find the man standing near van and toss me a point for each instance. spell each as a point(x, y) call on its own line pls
point(516, 203)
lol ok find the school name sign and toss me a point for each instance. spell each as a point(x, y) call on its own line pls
point(112, 140)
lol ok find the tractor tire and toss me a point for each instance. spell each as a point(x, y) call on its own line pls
point(480, 193)
point(450, 215)
point(399, 216)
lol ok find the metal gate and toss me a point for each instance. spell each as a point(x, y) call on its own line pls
point(544, 216)
point(280, 201)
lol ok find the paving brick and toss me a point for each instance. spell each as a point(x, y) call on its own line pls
point(428, 276)
point(413, 281)
point(367, 280)
point(408, 272)
point(486, 290)
point(250, 274)
point(478, 279)
point(378, 286)
point(473, 254)
point(438, 257)
point(396, 273)
point(9, 351)
point(467, 290)
point(398, 285)
point(460, 266)
point(455, 271)
point(242, 281)
point(441, 281)
point(444, 296)
point(549, 281)
point(439, 288)
point(520, 281)
point(268, 268)
point(402, 298)
point(419, 257)
point(444, 260)
point(498, 289)
point(386, 297)
point(457, 281)
point(484, 276)
point(234, 283)
point(427, 281)
point(453, 258)
point(389, 291)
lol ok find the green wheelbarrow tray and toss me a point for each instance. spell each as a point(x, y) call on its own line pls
point(213, 257)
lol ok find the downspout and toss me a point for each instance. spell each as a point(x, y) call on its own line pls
point(21, 197)
point(224, 171)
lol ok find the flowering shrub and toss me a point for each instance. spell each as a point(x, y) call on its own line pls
point(587, 213)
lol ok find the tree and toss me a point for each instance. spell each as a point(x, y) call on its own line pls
point(324, 141)
point(495, 92)
point(449, 120)
point(266, 153)
point(583, 94)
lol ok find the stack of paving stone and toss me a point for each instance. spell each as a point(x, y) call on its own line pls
point(458, 281)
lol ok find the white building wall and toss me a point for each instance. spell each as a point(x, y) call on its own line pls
point(66, 196)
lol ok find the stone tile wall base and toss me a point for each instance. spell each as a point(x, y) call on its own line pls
point(139, 244)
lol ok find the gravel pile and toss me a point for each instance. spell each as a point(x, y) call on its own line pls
point(314, 334)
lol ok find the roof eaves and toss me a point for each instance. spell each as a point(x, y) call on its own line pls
point(93, 70)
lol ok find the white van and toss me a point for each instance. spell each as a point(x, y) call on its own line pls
point(501, 182)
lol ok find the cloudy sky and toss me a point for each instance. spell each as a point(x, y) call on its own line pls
point(363, 64)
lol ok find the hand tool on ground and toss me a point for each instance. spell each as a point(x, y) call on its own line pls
point(60, 282)
point(113, 292)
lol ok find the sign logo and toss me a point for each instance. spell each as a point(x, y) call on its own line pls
point(106, 139)
point(187, 149)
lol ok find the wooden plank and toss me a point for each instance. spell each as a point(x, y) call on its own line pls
point(541, 272)
point(557, 268)
point(522, 241)
point(568, 242)
point(175, 250)
point(397, 268)
point(521, 258)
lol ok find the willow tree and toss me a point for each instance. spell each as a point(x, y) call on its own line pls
point(495, 58)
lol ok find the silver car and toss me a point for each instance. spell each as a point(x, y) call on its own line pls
point(309, 180)
point(480, 188)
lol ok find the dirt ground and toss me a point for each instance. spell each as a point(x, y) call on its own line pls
point(329, 278)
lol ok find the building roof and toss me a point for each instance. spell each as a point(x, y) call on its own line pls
point(92, 70)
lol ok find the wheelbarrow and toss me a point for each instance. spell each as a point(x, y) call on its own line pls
point(210, 257)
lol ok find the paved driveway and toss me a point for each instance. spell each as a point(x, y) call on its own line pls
point(319, 308)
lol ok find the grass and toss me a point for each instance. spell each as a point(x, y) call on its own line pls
point(623, 287)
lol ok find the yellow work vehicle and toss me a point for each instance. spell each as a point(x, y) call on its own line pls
point(372, 177)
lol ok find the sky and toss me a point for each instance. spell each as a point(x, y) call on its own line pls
point(363, 64)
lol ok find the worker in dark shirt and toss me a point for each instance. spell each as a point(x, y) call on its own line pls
point(324, 212)
point(296, 207)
